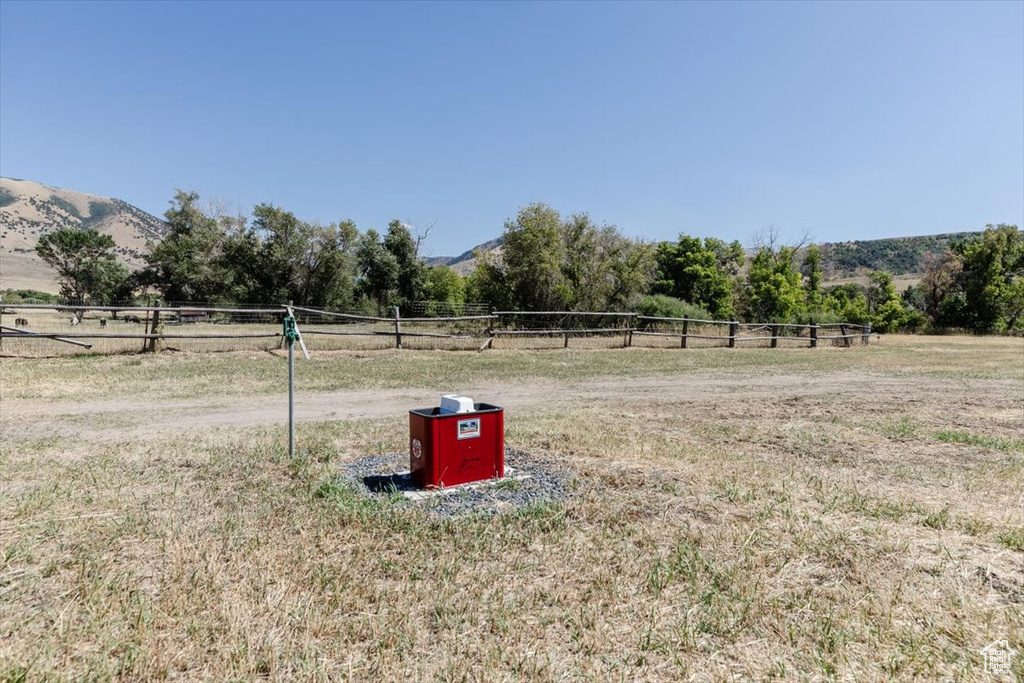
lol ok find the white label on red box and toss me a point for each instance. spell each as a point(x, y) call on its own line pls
point(469, 429)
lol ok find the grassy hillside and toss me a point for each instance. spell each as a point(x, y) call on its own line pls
point(29, 210)
point(898, 255)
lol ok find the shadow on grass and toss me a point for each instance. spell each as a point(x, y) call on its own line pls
point(390, 483)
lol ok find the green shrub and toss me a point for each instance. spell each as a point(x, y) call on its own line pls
point(661, 306)
point(914, 321)
point(889, 316)
point(821, 317)
point(28, 296)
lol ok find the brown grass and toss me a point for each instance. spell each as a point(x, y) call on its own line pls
point(860, 519)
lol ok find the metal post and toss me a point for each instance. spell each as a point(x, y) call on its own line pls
point(814, 335)
point(775, 335)
point(732, 334)
point(686, 332)
point(291, 398)
point(290, 332)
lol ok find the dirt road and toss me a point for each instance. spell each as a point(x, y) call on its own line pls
point(117, 419)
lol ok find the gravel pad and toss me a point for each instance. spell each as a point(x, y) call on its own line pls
point(529, 479)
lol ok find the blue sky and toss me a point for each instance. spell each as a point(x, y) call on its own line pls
point(847, 121)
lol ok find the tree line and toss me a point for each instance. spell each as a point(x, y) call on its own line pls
point(546, 262)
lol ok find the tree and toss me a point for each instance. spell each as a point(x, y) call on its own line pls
point(992, 265)
point(811, 271)
point(532, 258)
point(586, 274)
point(846, 302)
point(773, 291)
point(274, 259)
point(699, 272)
point(487, 282)
point(886, 308)
point(333, 283)
point(633, 267)
point(378, 269)
point(941, 274)
point(284, 256)
point(411, 270)
point(444, 285)
point(880, 288)
point(280, 258)
point(1013, 306)
point(87, 270)
point(550, 264)
point(602, 269)
point(187, 264)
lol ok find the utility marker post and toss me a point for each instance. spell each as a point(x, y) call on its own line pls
point(291, 334)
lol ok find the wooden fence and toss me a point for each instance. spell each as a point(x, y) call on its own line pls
point(161, 323)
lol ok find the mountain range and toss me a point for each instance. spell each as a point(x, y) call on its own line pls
point(30, 209)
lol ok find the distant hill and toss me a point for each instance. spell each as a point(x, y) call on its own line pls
point(29, 209)
point(465, 263)
point(840, 260)
point(898, 255)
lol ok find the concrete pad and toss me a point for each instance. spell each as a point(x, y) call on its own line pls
point(425, 494)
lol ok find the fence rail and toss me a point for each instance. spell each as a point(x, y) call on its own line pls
point(169, 309)
point(159, 325)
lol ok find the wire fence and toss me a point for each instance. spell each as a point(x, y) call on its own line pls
point(59, 329)
point(445, 309)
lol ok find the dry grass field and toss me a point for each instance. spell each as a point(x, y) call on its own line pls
point(786, 514)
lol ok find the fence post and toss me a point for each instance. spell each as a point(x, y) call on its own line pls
point(145, 330)
point(814, 335)
point(846, 337)
point(865, 337)
point(566, 335)
point(686, 331)
point(732, 334)
point(154, 328)
point(490, 330)
point(775, 335)
point(398, 330)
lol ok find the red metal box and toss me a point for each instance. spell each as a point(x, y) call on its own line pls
point(456, 448)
